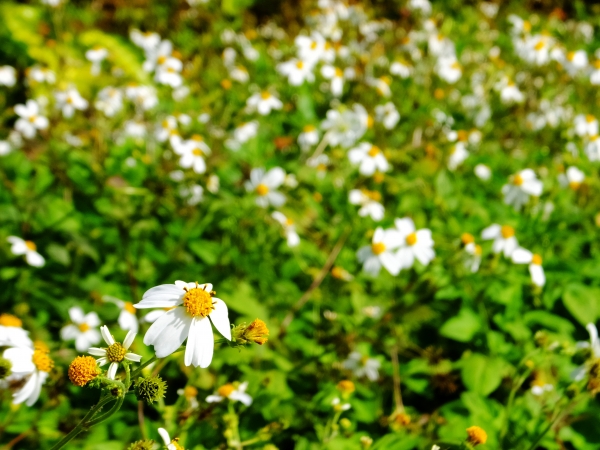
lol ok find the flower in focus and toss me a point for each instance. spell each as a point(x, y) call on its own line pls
point(521, 186)
point(115, 353)
point(83, 329)
point(362, 366)
point(11, 333)
point(29, 119)
point(32, 364)
point(369, 202)
point(27, 248)
point(231, 392)
point(413, 243)
point(288, 227)
point(264, 184)
point(170, 444)
point(194, 304)
point(369, 157)
point(381, 253)
point(523, 256)
point(504, 238)
point(82, 370)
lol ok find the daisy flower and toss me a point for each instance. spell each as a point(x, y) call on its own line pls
point(297, 71)
point(194, 304)
point(32, 364)
point(362, 366)
point(473, 250)
point(115, 353)
point(414, 243)
point(369, 202)
point(523, 256)
point(504, 238)
point(189, 393)
point(521, 186)
point(264, 184)
point(83, 329)
point(369, 158)
point(29, 119)
point(27, 248)
point(193, 151)
point(400, 69)
point(336, 76)
point(11, 333)
point(170, 444)
point(572, 178)
point(449, 69)
point(381, 252)
point(288, 227)
point(109, 101)
point(388, 115)
point(585, 125)
point(263, 102)
point(70, 100)
point(232, 393)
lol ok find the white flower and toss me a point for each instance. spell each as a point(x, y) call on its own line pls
point(572, 178)
point(388, 115)
point(69, 101)
point(193, 194)
point(310, 49)
point(458, 154)
point(539, 388)
point(195, 309)
point(8, 76)
point(32, 365)
point(168, 73)
point(158, 55)
point(523, 256)
point(144, 97)
point(40, 75)
point(242, 134)
point(362, 366)
point(575, 62)
point(297, 71)
point(504, 238)
point(595, 73)
point(339, 406)
point(189, 393)
point(483, 172)
point(27, 248)
point(449, 69)
point(213, 183)
point(413, 243)
point(592, 148)
point(170, 444)
point(474, 260)
point(96, 55)
point(381, 85)
point(83, 329)
point(29, 119)
point(510, 93)
point(288, 227)
point(369, 157)
point(147, 40)
point(336, 77)
point(308, 137)
point(127, 317)
point(232, 393)
point(400, 69)
point(369, 202)
point(11, 333)
point(109, 101)
point(381, 252)
point(346, 127)
point(264, 184)
point(115, 353)
point(522, 185)
point(585, 125)
point(192, 154)
point(263, 102)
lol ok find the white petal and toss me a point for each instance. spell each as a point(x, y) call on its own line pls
point(537, 274)
point(112, 370)
point(163, 296)
point(92, 319)
point(27, 390)
point(491, 232)
point(107, 336)
point(274, 177)
point(405, 226)
point(521, 256)
point(220, 318)
point(391, 262)
point(129, 339)
point(20, 359)
point(76, 315)
point(133, 357)
point(69, 332)
point(164, 434)
point(168, 332)
point(34, 259)
point(97, 351)
point(206, 341)
point(192, 346)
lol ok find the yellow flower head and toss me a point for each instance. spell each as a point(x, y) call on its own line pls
point(476, 436)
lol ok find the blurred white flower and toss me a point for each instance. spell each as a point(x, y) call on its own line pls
point(523, 256)
point(297, 71)
point(264, 184)
point(362, 366)
point(504, 238)
point(11, 333)
point(8, 76)
point(70, 100)
point(32, 365)
point(483, 172)
point(369, 158)
point(369, 202)
point(388, 115)
point(29, 120)
point(96, 55)
point(83, 329)
point(288, 227)
point(413, 243)
point(27, 248)
point(572, 178)
point(231, 392)
point(520, 187)
point(308, 137)
point(381, 253)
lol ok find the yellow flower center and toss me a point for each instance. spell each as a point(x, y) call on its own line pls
point(161, 59)
point(313, 45)
point(411, 239)
point(175, 443)
point(536, 259)
point(197, 138)
point(83, 327)
point(540, 45)
point(455, 65)
point(570, 56)
point(476, 436)
point(197, 152)
point(299, 64)
point(190, 392)
point(226, 390)
point(128, 306)
point(32, 118)
point(574, 185)
point(478, 250)
point(374, 151)
point(597, 64)
point(42, 361)
point(507, 231)
point(8, 320)
point(262, 189)
point(589, 118)
point(346, 386)
point(309, 128)
point(370, 122)
point(467, 238)
point(373, 195)
point(265, 95)
point(338, 72)
point(518, 180)
point(116, 352)
point(198, 302)
point(257, 332)
point(378, 248)
point(526, 26)
point(82, 370)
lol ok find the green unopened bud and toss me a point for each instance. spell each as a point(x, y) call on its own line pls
point(147, 444)
point(150, 389)
point(5, 367)
point(257, 332)
point(345, 423)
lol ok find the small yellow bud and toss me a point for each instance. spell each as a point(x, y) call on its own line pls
point(476, 436)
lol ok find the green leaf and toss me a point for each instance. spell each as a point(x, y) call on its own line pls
point(463, 327)
point(481, 374)
point(582, 302)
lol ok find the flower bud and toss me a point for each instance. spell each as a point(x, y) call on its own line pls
point(82, 370)
point(256, 332)
point(147, 444)
point(150, 389)
point(345, 423)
